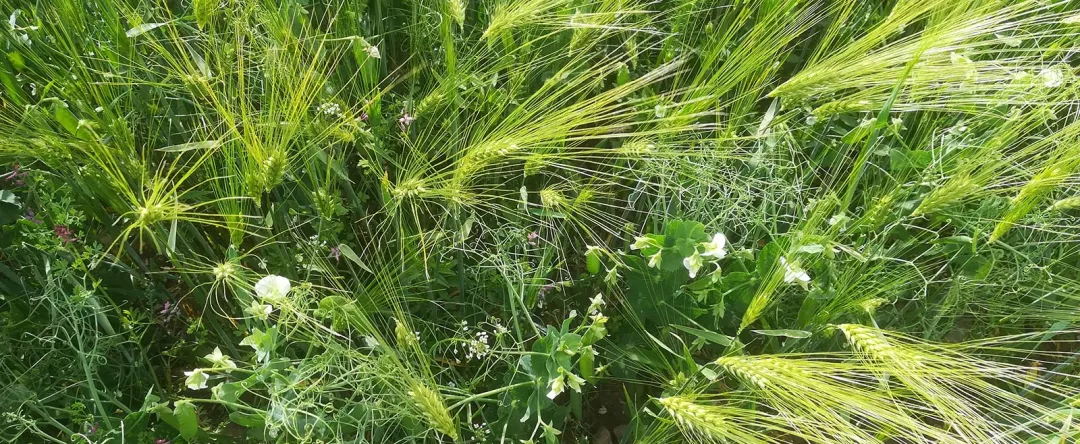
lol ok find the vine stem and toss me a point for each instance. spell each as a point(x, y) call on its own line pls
point(489, 393)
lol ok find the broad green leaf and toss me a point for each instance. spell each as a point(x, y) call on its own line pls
point(228, 392)
point(164, 414)
point(6, 196)
point(66, 118)
point(249, 420)
point(12, 91)
point(186, 418)
point(17, 61)
point(766, 260)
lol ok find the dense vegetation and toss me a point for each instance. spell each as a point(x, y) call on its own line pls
point(539, 221)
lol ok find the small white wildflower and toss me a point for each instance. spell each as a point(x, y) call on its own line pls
point(693, 263)
point(660, 111)
point(258, 340)
point(1052, 77)
point(372, 51)
point(794, 273)
point(642, 242)
point(596, 302)
point(370, 341)
point(557, 385)
point(612, 276)
point(654, 260)
point(259, 311)
point(219, 360)
point(573, 380)
point(717, 247)
point(196, 379)
point(958, 59)
point(273, 288)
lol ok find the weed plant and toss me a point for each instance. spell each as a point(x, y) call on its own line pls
point(526, 221)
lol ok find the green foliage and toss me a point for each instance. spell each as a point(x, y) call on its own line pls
point(745, 221)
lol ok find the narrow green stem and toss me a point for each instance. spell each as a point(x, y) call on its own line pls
point(489, 393)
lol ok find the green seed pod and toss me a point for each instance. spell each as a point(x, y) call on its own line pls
point(592, 260)
point(585, 364)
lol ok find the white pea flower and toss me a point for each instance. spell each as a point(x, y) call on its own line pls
point(612, 276)
point(642, 242)
point(717, 247)
point(219, 360)
point(370, 341)
point(259, 311)
point(260, 341)
point(196, 379)
point(1052, 77)
point(596, 302)
point(794, 273)
point(558, 385)
point(273, 288)
point(654, 260)
point(839, 218)
point(573, 380)
point(693, 264)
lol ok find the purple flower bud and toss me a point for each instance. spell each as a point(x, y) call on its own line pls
point(405, 120)
point(30, 216)
point(64, 234)
point(165, 309)
point(16, 175)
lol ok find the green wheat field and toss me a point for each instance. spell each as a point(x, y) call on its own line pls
point(540, 221)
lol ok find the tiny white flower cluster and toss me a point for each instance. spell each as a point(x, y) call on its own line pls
point(373, 51)
point(500, 329)
point(480, 431)
point(478, 348)
point(480, 342)
point(314, 240)
point(329, 109)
